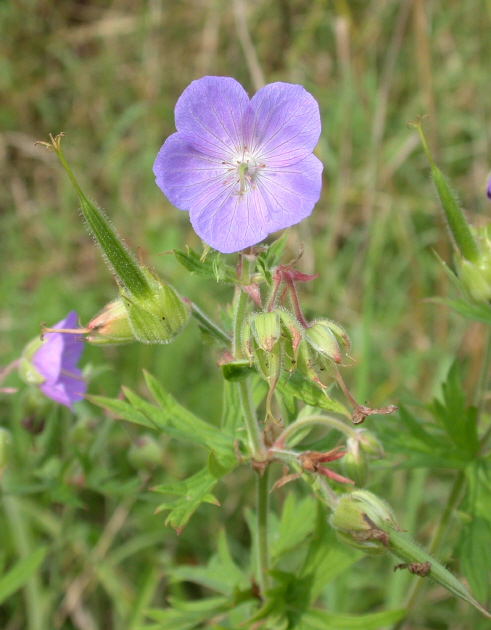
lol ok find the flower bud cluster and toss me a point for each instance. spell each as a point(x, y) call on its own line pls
point(275, 341)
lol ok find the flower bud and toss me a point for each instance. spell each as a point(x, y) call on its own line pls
point(370, 444)
point(475, 278)
point(159, 315)
point(266, 329)
point(354, 464)
point(111, 326)
point(362, 520)
point(321, 339)
point(27, 372)
point(145, 453)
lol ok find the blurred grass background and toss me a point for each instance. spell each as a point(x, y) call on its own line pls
point(108, 74)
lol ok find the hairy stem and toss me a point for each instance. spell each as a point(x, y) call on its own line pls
point(262, 529)
point(208, 325)
point(316, 419)
point(453, 500)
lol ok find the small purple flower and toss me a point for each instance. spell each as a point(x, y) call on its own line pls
point(242, 167)
point(55, 361)
point(489, 189)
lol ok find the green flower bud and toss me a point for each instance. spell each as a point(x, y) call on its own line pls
point(266, 329)
point(111, 326)
point(159, 316)
point(370, 444)
point(475, 278)
point(321, 339)
point(355, 465)
point(27, 371)
point(145, 453)
point(362, 520)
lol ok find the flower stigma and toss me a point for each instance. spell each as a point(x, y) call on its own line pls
point(244, 174)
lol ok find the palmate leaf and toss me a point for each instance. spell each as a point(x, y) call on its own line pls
point(191, 493)
point(172, 419)
point(458, 420)
point(221, 574)
point(423, 444)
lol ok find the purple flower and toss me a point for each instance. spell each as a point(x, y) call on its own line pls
point(242, 167)
point(55, 360)
point(489, 189)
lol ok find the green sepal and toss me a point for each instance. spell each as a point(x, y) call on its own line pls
point(159, 316)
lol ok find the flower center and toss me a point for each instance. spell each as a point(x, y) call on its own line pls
point(243, 171)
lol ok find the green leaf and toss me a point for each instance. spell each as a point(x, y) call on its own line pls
point(421, 448)
point(476, 312)
point(476, 556)
point(321, 620)
point(297, 523)
point(326, 558)
point(192, 428)
point(221, 574)
point(458, 420)
point(216, 269)
point(191, 492)
point(232, 411)
point(186, 615)
point(296, 385)
point(19, 574)
point(123, 410)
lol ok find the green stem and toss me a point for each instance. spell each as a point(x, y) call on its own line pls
point(316, 419)
point(208, 325)
point(262, 529)
point(416, 589)
point(254, 432)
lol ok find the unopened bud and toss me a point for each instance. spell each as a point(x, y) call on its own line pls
point(475, 278)
point(266, 329)
point(111, 326)
point(363, 520)
point(355, 465)
point(370, 444)
point(321, 339)
point(159, 315)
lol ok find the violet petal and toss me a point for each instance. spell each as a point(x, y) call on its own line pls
point(283, 124)
point(209, 116)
